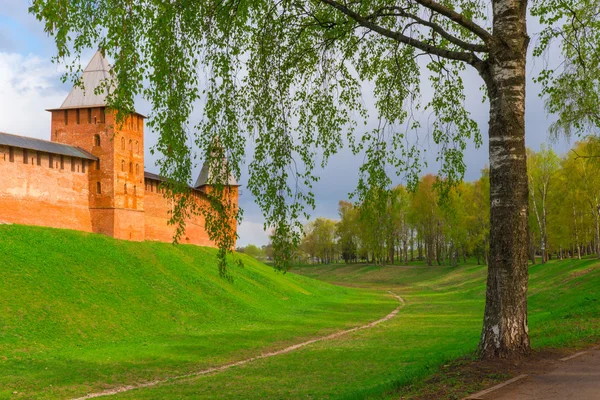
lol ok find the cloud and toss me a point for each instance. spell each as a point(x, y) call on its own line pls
point(251, 232)
point(29, 85)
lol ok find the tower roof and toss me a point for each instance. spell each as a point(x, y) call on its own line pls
point(209, 177)
point(93, 75)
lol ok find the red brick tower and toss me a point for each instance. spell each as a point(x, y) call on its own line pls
point(116, 181)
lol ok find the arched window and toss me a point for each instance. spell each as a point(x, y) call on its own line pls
point(98, 188)
point(131, 168)
point(96, 140)
point(123, 165)
point(122, 143)
point(97, 164)
point(137, 147)
point(137, 169)
point(125, 188)
point(130, 145)
point(134, 190)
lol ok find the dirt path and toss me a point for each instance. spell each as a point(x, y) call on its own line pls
point(573, 377)
point(121, 389)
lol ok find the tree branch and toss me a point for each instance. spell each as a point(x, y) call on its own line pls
point(458, 18)
point(469, 58)
point(398, 11)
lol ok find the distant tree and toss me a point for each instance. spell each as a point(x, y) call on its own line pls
point(542, 168)
point(585, 170)
point(319, 240)
point(268, 250)
point(346, 231)
point(255, 252)
point(426, 210)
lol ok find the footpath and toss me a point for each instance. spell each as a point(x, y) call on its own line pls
point(574, 377)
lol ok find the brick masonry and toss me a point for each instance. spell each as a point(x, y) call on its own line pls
point(110, 196)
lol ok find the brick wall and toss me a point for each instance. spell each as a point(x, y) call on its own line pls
point(156, 217)
point(111, 197)
point(34, 194)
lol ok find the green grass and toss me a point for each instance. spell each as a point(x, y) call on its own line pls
point(441, 322)
point(82, 312)
point(85, 312)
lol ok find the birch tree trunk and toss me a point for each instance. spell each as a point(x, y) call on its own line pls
point(505, 331)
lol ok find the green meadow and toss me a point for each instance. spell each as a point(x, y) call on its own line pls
point(81, 313)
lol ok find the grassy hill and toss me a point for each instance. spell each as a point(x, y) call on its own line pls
point(81, 312)
point(441, 321)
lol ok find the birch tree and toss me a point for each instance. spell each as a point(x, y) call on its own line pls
point(542, 168)
point(288, 75)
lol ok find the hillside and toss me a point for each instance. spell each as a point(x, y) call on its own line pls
point(440, 322)
point(80, 311)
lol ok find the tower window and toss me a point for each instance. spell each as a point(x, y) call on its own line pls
point(25, 157)
point(96, 140)
point(89, 111)
point(83, 165)
point(137, 147)
point(122, 143)
point(101, 115)
point(130, 145)
point(97, 164)
point(131, 168)
point(66, 117)
point(137, 169)
point(77, 116)
point(98, 188)
point(125, 188)
point(123, 165)
point(134, 190)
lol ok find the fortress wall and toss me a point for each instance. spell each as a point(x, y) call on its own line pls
point(34, 194)
point(157, 215)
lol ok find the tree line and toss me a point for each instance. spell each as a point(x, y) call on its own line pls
point(564, 217)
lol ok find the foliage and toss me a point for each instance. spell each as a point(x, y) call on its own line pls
point(412, 223)
point(289, 76)
point(572, 88)
point(254, 252)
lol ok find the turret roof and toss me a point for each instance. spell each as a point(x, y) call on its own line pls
point(207, 177)
point(84, 95)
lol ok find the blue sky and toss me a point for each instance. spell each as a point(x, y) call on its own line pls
point(30, 83)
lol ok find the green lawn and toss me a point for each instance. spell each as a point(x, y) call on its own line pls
point(441, 321)
point(84, 312)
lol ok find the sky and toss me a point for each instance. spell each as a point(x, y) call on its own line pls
point(30, 83)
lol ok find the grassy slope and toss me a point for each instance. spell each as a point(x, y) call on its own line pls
point(82, 312)
point(442, 321)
